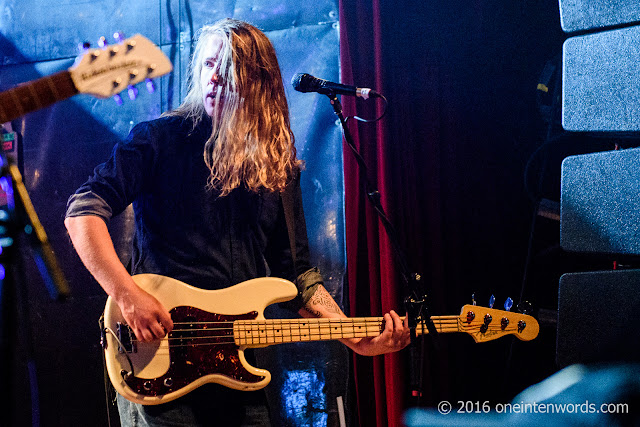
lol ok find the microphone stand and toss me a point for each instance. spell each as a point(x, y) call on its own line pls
point(415, 301)
point(19, 220)
point(23, 216)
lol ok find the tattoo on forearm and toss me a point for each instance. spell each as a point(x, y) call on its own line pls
point(322, 298)
point(313, 312)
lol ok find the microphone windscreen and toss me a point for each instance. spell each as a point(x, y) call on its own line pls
point(303, 82)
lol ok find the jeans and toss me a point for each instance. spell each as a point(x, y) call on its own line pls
point(209, 405)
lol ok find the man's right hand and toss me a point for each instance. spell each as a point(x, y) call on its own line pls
point(144, 314)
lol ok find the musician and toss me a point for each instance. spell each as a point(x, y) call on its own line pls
point(205, 182)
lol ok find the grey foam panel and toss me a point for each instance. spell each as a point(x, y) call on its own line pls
point(579, 15)
point(601, 81)
point(600, 202)
point(597, 317)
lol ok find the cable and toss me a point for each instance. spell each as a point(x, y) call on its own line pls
point(384, 111)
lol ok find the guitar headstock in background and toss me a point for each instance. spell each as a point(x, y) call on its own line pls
point(110, 69)
point(103, 72)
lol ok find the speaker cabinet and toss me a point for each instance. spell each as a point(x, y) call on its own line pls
point(600, 203)
point(601, 81)
point(598, 317)
point(581, 15)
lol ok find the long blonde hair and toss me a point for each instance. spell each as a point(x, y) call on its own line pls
point(251, 144)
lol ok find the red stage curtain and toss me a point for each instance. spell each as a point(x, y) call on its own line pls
point(372, 282)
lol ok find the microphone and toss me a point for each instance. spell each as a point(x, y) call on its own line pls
point(303, 82)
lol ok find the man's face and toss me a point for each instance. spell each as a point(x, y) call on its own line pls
point(209, 76)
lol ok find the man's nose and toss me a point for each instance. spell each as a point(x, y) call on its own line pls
point(214, 77)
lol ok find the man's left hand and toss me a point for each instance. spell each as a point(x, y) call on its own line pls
point(394, 337)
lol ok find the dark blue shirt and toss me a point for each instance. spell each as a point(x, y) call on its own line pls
point(184, 230)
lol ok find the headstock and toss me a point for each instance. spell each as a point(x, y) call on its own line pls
point(486, 324)
point(110, 69)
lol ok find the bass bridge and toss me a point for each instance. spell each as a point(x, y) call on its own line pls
point(126, 339)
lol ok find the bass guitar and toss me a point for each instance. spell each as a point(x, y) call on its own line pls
point(213, 328)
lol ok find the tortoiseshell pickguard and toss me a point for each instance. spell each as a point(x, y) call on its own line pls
point(195, 351)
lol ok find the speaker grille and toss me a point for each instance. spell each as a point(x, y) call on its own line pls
point(598, 317)
point(600, 203)
point(601, 81)
point(579, 15)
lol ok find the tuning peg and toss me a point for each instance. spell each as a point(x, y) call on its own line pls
point(102, 42)
point(508, 304)
point(133, 92)
point(151, 86)
point(118, 99)
point(473, 298)
point(119, 36)
point(492, 301)
point(84, 48)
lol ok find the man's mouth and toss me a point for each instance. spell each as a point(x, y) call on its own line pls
point(213, 95)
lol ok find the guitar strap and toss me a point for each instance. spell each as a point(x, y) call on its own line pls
point(109, 390)
point(287, 205)
point(308, 281)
